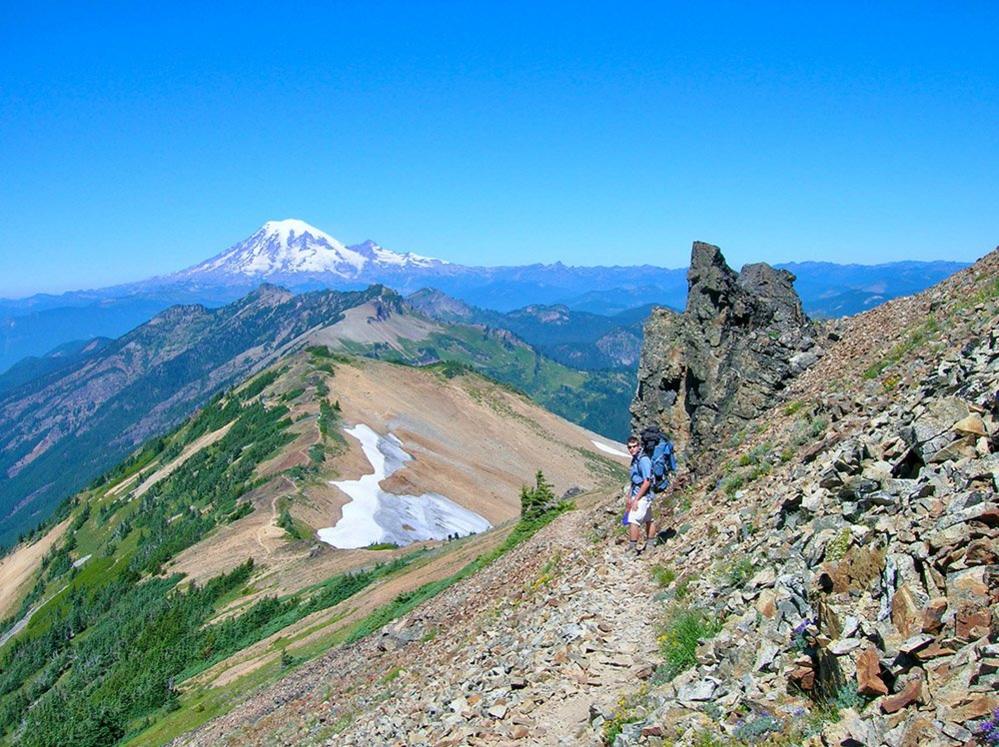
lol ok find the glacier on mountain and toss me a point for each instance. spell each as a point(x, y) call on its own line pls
point(293, 247)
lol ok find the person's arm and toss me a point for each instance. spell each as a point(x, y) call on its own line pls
point(642, 490)
point(645, 468)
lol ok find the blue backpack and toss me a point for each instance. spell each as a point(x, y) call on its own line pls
point(659, 449)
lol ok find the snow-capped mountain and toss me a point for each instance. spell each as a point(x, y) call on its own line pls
point(292, 248)
point(300, 258)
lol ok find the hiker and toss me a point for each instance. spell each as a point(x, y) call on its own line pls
point(638, 510)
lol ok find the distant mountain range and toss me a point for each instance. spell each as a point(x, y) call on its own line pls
point(62, 426)
point(300, 257)
point(574, 338)
point(67, 416)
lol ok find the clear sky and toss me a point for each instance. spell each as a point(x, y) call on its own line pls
point(140, 138)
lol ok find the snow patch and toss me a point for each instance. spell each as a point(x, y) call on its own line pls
point(609, 449)
point(285, 229)
point(376, 516)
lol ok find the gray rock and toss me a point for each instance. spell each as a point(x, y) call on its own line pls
point(768, 652)
point(932, 430)
point(704, 374)
point(700, 690)
point(844, 646)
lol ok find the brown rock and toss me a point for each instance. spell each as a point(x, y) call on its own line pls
point(933, 615)
point(982, 552)
point(519, 732)
point(972, 425)
point(970, 584)
point(869, 680)
point(652, 731)
point(911, 693)
point(766, 604)
point(972, 623)
point(803, 677)
point(920, 732)
point(978, 707)
point(989, 517)
point(933, 651)
point(906, 613)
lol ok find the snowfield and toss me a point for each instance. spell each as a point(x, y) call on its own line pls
point(609, 449)
point(376, 516)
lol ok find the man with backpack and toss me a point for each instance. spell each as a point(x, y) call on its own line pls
point(638, 509)
point(652, 459)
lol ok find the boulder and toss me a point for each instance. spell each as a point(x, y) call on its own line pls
point(869, 682)
point(912, 693)
point(933, 429)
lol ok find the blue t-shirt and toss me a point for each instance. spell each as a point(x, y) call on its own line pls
point(641, 470)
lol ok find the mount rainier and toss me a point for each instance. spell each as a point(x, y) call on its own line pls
point(292, 250)
point(300, 257)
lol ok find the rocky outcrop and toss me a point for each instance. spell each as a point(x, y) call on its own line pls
point(852, 543)
point(834, 583)
point(706, 373)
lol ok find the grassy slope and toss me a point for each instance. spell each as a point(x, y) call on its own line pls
point(128, 537)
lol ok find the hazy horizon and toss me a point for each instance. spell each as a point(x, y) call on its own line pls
point(156, 138)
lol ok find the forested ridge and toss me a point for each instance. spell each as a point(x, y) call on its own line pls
point(110, 647)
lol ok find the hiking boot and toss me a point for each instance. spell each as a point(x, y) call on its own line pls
point(640, 549)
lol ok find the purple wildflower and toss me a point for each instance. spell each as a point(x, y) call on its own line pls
point(989, 731)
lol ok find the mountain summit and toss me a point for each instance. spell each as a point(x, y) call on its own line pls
point(291, 247)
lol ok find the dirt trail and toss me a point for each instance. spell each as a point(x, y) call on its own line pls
point(526, 649)
point(269, 528)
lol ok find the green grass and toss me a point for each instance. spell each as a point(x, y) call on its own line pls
point(838, 545)
point(391, 675)
point(732, 484)
point(738, 572)
point(684, 628)
point(792, 407)
point(627, 711)
point(382, 546)
point(916, 339)
point(663, 575)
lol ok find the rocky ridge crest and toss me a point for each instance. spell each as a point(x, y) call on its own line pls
point(706, 373)
point(843, 557)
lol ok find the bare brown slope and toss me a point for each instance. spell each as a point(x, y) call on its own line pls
point(471, 440)
point(815, 560)
point(19, 567)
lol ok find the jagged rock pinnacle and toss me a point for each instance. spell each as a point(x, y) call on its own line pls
point(704, 373)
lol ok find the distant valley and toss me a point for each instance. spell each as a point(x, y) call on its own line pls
point(89, 405)
point(300, 257)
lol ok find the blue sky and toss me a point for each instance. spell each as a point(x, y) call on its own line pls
point(138, 140)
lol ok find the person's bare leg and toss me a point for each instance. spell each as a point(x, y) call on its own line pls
point(634, 532)
point(641, 539)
